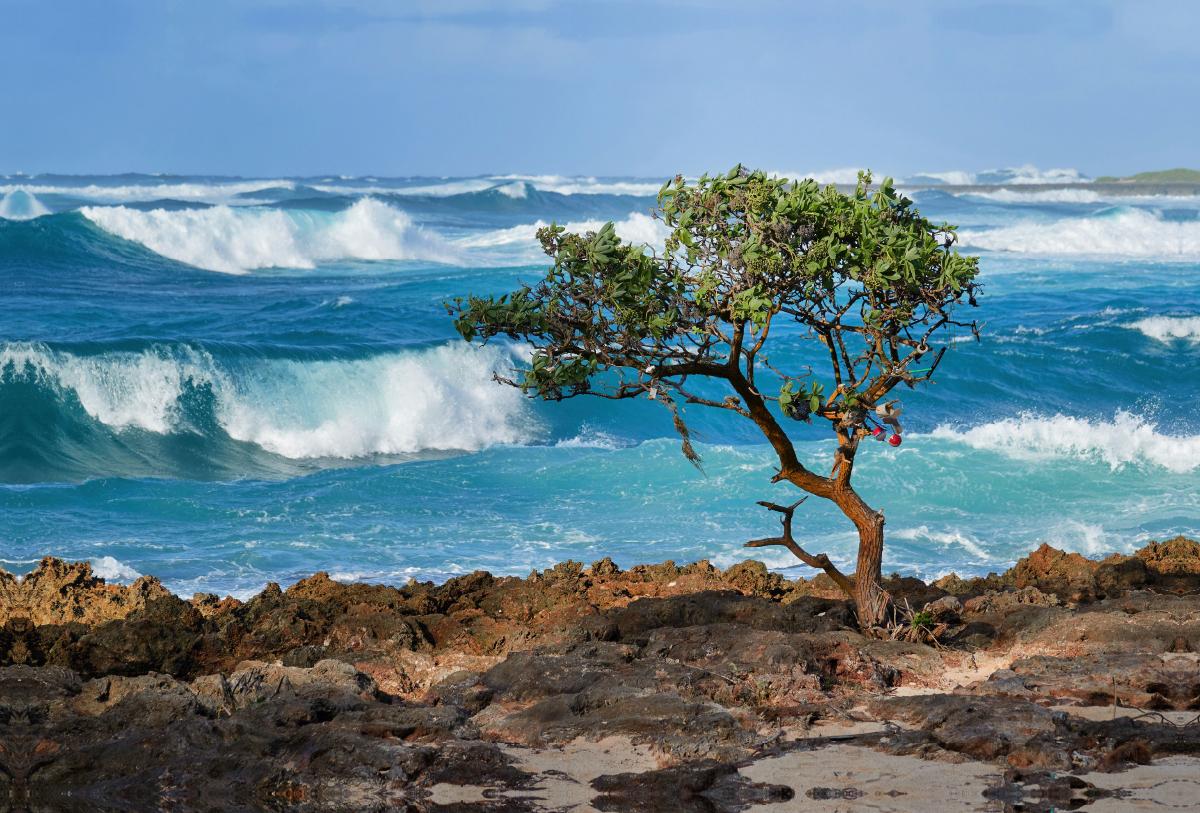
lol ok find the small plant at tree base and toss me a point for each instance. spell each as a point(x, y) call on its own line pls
point(922, 620)
point(864, 277)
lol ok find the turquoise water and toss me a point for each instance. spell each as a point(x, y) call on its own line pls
point(224, 382)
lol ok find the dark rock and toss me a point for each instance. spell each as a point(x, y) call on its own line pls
point(980, 728)
point(707, 786)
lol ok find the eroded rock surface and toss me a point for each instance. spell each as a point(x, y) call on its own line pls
point(363, 697)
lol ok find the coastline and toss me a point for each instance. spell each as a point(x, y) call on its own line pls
point(591, 688)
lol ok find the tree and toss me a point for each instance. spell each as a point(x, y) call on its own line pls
point(749, 257)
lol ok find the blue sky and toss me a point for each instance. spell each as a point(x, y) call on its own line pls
point(597, 87)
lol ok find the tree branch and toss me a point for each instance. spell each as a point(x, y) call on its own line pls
point(820, 561)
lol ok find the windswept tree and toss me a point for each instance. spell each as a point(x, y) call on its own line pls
point(753, 265)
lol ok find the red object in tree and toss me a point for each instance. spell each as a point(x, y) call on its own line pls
point(878, 433)
point(894, 440)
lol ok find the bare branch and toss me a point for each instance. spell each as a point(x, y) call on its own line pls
point(820, 561)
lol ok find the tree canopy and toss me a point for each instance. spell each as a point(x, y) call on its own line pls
point(749, 257)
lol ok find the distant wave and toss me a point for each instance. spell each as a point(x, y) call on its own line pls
point(638, 229)
point(21, 205)
point(844, 176)
point(1041, 196)
point(1126, 440)
point(1019, 195)
point(1026, 174)
point(200, 191)
point(232, 191)
point(235, 240)
point(1166, 328)
point(447, 188)
point(586, 186)
point(441, 398)
point(1123, 231)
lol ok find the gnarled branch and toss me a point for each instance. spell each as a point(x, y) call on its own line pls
point(820, 561)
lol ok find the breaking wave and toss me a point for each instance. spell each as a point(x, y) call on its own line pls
point(21, 205)
point(1120, 231)
point(198, 191)
point(1166, 328)
point(235, 241)
point(1126, 440)
point(441, 398)
point(585, 186)
point(637, 229)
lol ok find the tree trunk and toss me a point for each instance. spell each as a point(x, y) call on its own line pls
point(868, 592)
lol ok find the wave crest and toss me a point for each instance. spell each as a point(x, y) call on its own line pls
point(1126, 440)
point(234, 240)
point(442, 398)
point(1130, 232)
point(1166, 328)
point(19, 204)
point(638, 229)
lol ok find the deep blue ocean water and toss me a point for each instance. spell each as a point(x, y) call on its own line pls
point(224, 382)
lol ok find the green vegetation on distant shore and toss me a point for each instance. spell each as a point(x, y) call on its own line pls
point(1162, 176)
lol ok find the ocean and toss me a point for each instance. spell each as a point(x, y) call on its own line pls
point(224, 382)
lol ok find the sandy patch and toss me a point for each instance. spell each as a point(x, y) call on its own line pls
point(1166, 784)
point(845, 777)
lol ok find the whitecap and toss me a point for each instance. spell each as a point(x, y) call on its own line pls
point(847, 176)
point(19, 204)
point(585, 186)
point(951, 178)
point(1128, 232)
point(943, 538)
point(441, 398)
point(214, 192)
point(235, 241)
point(638, 228)
point(1126, 440)
point(1166, 328)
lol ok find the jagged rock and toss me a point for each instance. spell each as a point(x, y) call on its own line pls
point(58, 593)
point(1008, 601)
point(328, 695)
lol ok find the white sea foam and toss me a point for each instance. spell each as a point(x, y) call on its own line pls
point(638, 229)
point(109, 569)
point(1126, 440)
point(1041, 196)
point(1166, 328)
point(591, 438)
point(442, 398)
point(515, 190)
point(1029, 174)
point(1128, 232)
point(585, 186)
point(436, 190)
point(953, 177)
point(847, 176)
point(944, 539)
point(504, 183)
point(236, 240)
point(214, 192)
point(1016, 176)
point(21, 205)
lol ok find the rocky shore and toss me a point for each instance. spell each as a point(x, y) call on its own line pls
point(1060, 684)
